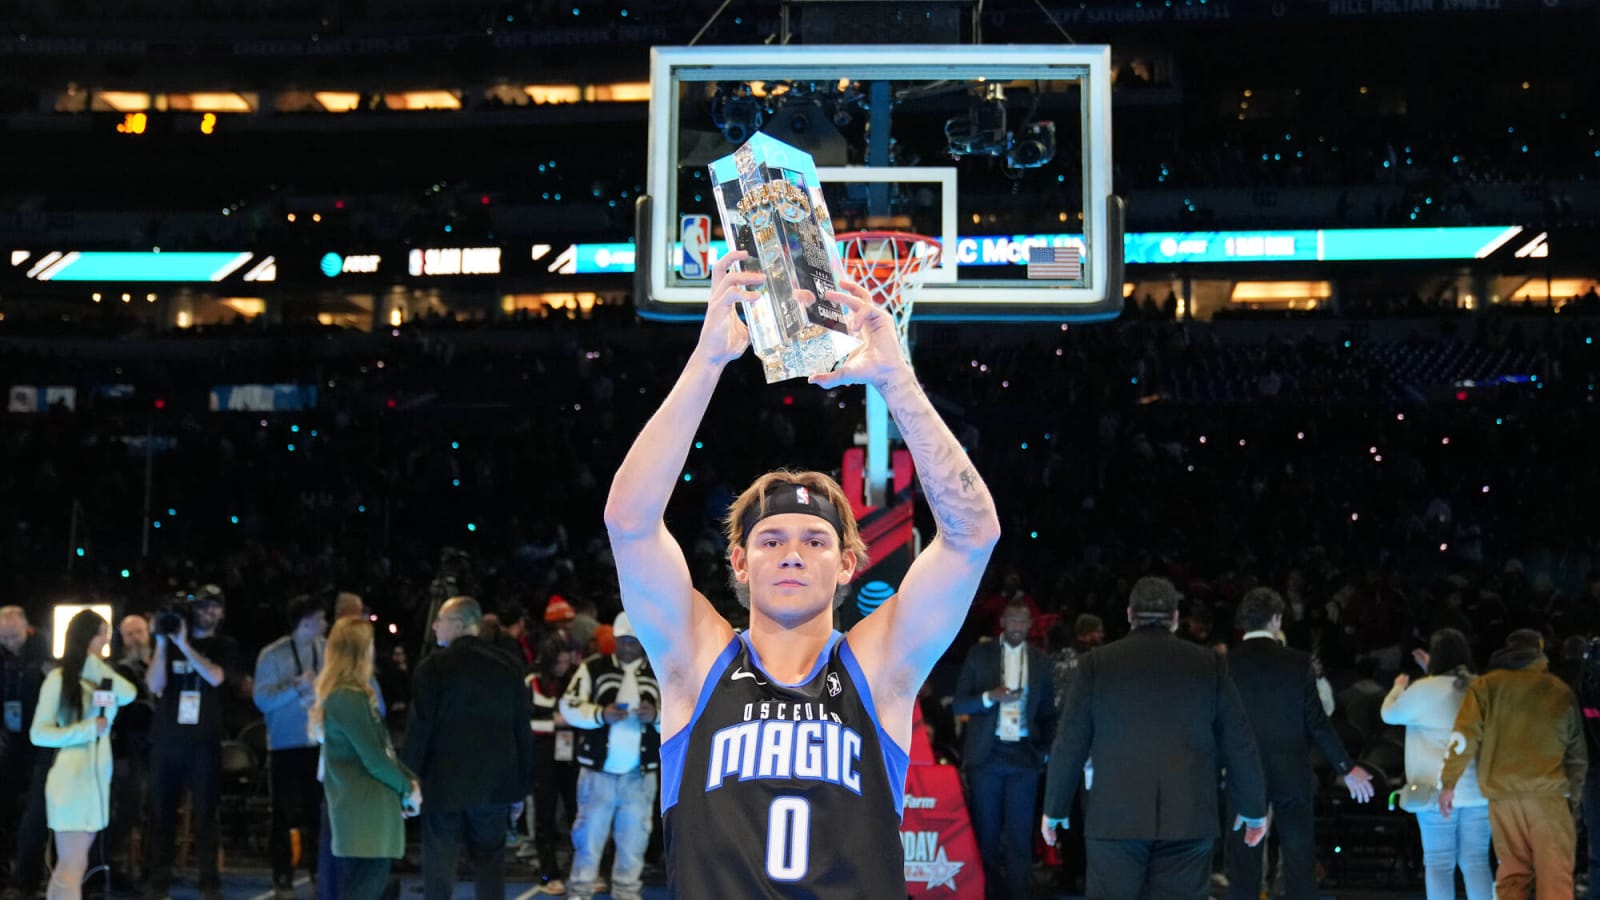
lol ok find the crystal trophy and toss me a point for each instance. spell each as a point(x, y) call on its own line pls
point(771, 205)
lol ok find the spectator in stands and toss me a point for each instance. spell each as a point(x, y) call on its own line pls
point(1007, 691)
point(1428, 710)
point(77, 704)
point(1278, 688)
point(285, 688)
point(470, 742)
point(1160, 719)
point(368, 790)
point(192, 664)
point(987, 611)
point(613, 700)
point(1521, 725)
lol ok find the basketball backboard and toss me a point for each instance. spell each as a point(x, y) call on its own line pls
point(1002, 153)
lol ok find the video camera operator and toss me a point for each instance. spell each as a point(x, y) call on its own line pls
point(187, 673)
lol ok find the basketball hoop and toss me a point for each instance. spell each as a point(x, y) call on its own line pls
point(890, 265)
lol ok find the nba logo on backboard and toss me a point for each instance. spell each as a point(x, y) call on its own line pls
point(695, 233)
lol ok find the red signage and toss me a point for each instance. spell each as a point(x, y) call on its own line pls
point(941, 851)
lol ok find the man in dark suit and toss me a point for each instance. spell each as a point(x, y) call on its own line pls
point(1007, 689)
point(1160, 718)
point(1279, 691)
point(471, 743)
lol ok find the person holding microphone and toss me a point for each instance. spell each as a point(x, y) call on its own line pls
point(77, 704)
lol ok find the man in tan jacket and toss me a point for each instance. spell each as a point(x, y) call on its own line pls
point(1521, 724)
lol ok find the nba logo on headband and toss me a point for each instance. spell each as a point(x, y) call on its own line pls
point(801, 495)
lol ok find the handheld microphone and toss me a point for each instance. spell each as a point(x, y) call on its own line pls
point(103, 699)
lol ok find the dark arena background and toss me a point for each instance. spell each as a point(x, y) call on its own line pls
point(310, 297)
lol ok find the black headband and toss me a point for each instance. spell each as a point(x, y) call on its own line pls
point(788, 497)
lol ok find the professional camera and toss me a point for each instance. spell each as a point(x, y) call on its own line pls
point(737, 112)
point(1034, 145)
point(982, 131)
point(179, 611)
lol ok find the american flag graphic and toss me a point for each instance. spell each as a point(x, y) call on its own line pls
point(1054, 262)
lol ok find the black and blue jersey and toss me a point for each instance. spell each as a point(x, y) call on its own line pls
point(778, 790)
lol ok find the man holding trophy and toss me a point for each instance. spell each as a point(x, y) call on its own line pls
point(784, 748)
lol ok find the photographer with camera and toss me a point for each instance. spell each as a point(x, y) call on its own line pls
point(191, 664)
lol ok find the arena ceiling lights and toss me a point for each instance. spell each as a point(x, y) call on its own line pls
point(214, 101)
point(412, 100)
point(199, 101)
point(339, 101)
point(120, 101)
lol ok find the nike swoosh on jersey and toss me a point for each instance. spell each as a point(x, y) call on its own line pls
point(741, 673)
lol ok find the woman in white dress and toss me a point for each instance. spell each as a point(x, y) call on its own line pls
point(77, 705)
point(1428, 711)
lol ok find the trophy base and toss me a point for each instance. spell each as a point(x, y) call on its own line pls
point(804, 358)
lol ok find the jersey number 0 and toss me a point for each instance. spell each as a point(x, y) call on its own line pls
point(788, 838)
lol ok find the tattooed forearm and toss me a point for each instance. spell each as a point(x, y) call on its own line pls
point(961, 503)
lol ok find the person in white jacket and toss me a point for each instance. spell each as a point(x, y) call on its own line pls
point(1428, 709)
point(77, 704)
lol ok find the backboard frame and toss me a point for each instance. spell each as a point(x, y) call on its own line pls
point(661, 293)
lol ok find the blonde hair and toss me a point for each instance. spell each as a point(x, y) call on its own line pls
point(756, 495)
point(347, 663)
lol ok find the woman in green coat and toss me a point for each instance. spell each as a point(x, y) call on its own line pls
point(368, 791)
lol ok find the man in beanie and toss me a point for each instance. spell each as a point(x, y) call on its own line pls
point(613, 700)
point(1521, 724)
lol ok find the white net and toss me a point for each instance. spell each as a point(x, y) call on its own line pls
point(890, 265)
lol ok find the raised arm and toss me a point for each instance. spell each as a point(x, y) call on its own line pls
point(680, 631)
point(899, 644)
point(47, 730)
point(97, 670)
